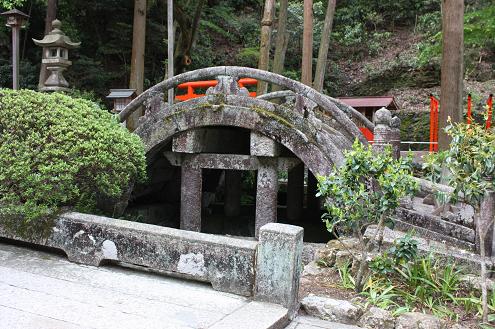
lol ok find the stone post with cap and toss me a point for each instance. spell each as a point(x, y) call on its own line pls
point(387, 132)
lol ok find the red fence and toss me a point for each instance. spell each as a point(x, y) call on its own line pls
point(434, 109)
point(191, 88)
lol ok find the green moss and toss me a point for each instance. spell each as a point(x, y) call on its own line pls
point(268, 114)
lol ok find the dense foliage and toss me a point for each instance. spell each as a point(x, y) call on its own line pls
point(365, 190)
point(228, 34)
point(57, 151)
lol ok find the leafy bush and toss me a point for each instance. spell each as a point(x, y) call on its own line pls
point(57, 151)
point(365, 190)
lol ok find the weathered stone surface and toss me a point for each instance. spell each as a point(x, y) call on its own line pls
point(318, 149)
point(377, 318)
point(255, 315)
point(278, 268)
point(228, 263)
point(473, 282)
point(418, 321)
point(266, 194)
point(227, 161)
point(436, 224)
point(331, 309)
point(443, 251)
point(190, 141)
point(312, 269)
point(190, 200)
point(264, 146)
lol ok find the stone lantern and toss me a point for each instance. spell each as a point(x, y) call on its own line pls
point(15, 20)
point(56, 47)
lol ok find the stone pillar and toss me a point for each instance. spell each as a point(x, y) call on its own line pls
point(387, 132)
point(485, 219)
point(266, 193)
point(295, 192)
point(278, 265)
point(233, 191)
point(190, 198)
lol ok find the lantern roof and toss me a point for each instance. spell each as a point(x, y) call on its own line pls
point(121, 93)
point(15, 12)
point(57, 38)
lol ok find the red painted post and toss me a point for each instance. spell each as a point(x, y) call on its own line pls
point(489, 103)
point(431, 123)
point(469, 117)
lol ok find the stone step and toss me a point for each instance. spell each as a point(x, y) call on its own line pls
point(309, 322)
point(469, 261)
point(255, 315)
point(434, 235)
point(436, 224)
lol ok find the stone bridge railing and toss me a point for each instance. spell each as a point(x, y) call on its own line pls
point(267, 270)
point(341, 113)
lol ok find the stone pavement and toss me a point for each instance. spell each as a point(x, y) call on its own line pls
point(40, 290)
point(308, 322)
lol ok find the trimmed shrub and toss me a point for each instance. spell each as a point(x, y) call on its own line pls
point(60, 152)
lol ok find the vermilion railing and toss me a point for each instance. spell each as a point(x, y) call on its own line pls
point(191, 88)
point(434, 109)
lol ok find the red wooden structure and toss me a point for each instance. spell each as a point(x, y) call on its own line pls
point(434, 105)
point(191, 88)
point(366, 105)
point(434, 108)
point(489, 104)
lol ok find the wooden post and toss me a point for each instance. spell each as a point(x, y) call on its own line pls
point(321, 63)
point(170, 42)
point(136, 80)
point(16, 31)
point(281, 41)
point(452, 67)
point(307, 51)
point(266, 37)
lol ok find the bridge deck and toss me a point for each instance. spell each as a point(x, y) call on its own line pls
point(40, 290)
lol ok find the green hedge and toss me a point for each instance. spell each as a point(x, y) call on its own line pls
point(60, 152)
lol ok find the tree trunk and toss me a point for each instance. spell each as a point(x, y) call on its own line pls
point(281, 42)
point(321, 64)
point(51, 15)
point(266, 32)
point(187, 34)
point(136, 80)
point(452, 67)
point(307, 52)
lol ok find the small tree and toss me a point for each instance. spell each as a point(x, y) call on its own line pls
point(471, 162)
point(365, 190)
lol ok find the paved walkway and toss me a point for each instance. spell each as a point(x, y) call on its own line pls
point(39, 290)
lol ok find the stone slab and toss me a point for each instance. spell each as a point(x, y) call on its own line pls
point(40, 290)
point(309, 322)
point(227, 161)
point(464, 258)
point(255, 315)
point(227, 263)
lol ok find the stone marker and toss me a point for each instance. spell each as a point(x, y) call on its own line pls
point(278, 265)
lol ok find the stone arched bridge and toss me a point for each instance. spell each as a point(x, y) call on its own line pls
point(228, 130)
